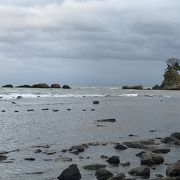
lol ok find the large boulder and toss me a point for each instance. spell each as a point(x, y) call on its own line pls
point(66, 87)
point(103, 174)
point(71, 173)
point(142, 171)
point(8, 86)
point(40, 85)
point(173, 170)
point(55, 86)
point(113, 160)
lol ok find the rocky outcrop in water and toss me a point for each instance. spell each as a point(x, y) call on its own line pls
point(55, 86)
point(139, 87)
point(8, 86)
point(66, 87)
point(40, 85)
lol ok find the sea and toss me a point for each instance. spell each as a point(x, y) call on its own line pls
point(55, 119)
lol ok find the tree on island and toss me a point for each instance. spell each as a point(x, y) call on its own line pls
point(171, 74)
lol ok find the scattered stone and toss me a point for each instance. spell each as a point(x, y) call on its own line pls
point(3, 111)
point(38, 151)
point(93, 144)
point(16, 111)
point(24, 86)
point(94, 166)
point(19, 97)
point(63, 159)
point(92, 109)
point(106, 120)
point(70, 173)
point(64, 150)
point(104, 157)
point(103, 174)
point(41, 146)
point(159, 175)
point(126, 164)
point(29, 159)
point(133, 135)
point(161, 150)
point(95, 102)
point(68, 109)
point(55, 110)
point(119, 176)
point(2, 157)
point(49, 152)
point(174, 139)
point(114, 160)
point(142, 171)
point(120, 147)
point(78, 149)
point(84, 109)
point(48, 159)
point(173, 170)
point(13, 102)
point(45, 109)
point(143, 144)
point(29, 110)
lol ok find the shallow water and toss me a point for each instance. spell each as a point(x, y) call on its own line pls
point(136, 112)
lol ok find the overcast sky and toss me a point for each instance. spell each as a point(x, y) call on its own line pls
point(87, 42)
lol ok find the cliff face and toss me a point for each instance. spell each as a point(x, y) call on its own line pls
point(171, 77)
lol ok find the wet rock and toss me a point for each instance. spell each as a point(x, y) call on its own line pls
point(94, 166)
point(64, 150)
point(84, 109)
point(40, 85)
point(70, 173)
point(120, 147)
point(143, 144)
point(16, 111)
point(173, 170)
point(161, 150)
point(68, 109)
point(119, 176)
point(104, 157)
point(13, 102)
point(7, 86)
point(103, 174)
point(66, 87)
point(93, 144)
point(133, 135)
point(30, 110)
point(149, 158)
point(78, 149)
point(3, 157)
point(174, 138)
point(3, 111)
point(114, 160)
point(95, 102)
point(55, 86)
point(159, 175)
point(49, 152)
point(175, 135)
point(55, 110)
point(142, 171)
point(29, 159)
point(106, 120)
point(63, 159)
point(38, 151)
point(92, 109)
point(126, 164)
point(19, 97)
point(45, 109)
point(24, 86)
point(138, 87)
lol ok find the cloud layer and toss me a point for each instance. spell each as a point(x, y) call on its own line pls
point(48, 34)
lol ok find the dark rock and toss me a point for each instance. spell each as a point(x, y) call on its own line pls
point(173, 170)
point(40, 85)
point(2, 157)
point(170, 140)
point(142, 171)
point(68, 109)
point(19, 97)
point(159, 175)
point(149, 158)
point(64, 150)
point(120, 147)
point(45, 109)
point(161, 150)
point(113, 160)
point(8, 86)
point(78, 149)
point(92, 109)
point(66, 87)
point(103, 174)
point(16, 111)
point(3, 111)
point(106, 120)
point(13, 102)
point(24, 86)
point(175, 135)
point(126, 164)
point(139, 87)
point(95, 102)
point(71, 173)
point(55, 110)
point(55, 86)
point(119, 176)
point(104, 157)
point(94, 166)
point(41, 146)
point(29, 159)
point(156, 87)
point(143, 144)
point(29, 110)
point(38, 151)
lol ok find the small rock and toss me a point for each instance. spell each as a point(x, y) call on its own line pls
point(38, 151)
point(126, 164)
point(95, 102)
point(55, 110)
point(120, 147)
point(161, 150)
point(29, 159)
point(2, 157)
point(104, 157)
point(106, 120)
point(119, 176)
point(45, 109)
point(94, 166)
point(114, 160)
point(66, 87)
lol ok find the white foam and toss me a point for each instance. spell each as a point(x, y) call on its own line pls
point(128, 95)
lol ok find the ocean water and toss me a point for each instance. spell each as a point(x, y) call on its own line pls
point(136, 112)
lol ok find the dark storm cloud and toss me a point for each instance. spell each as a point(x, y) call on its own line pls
point(51, 33)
